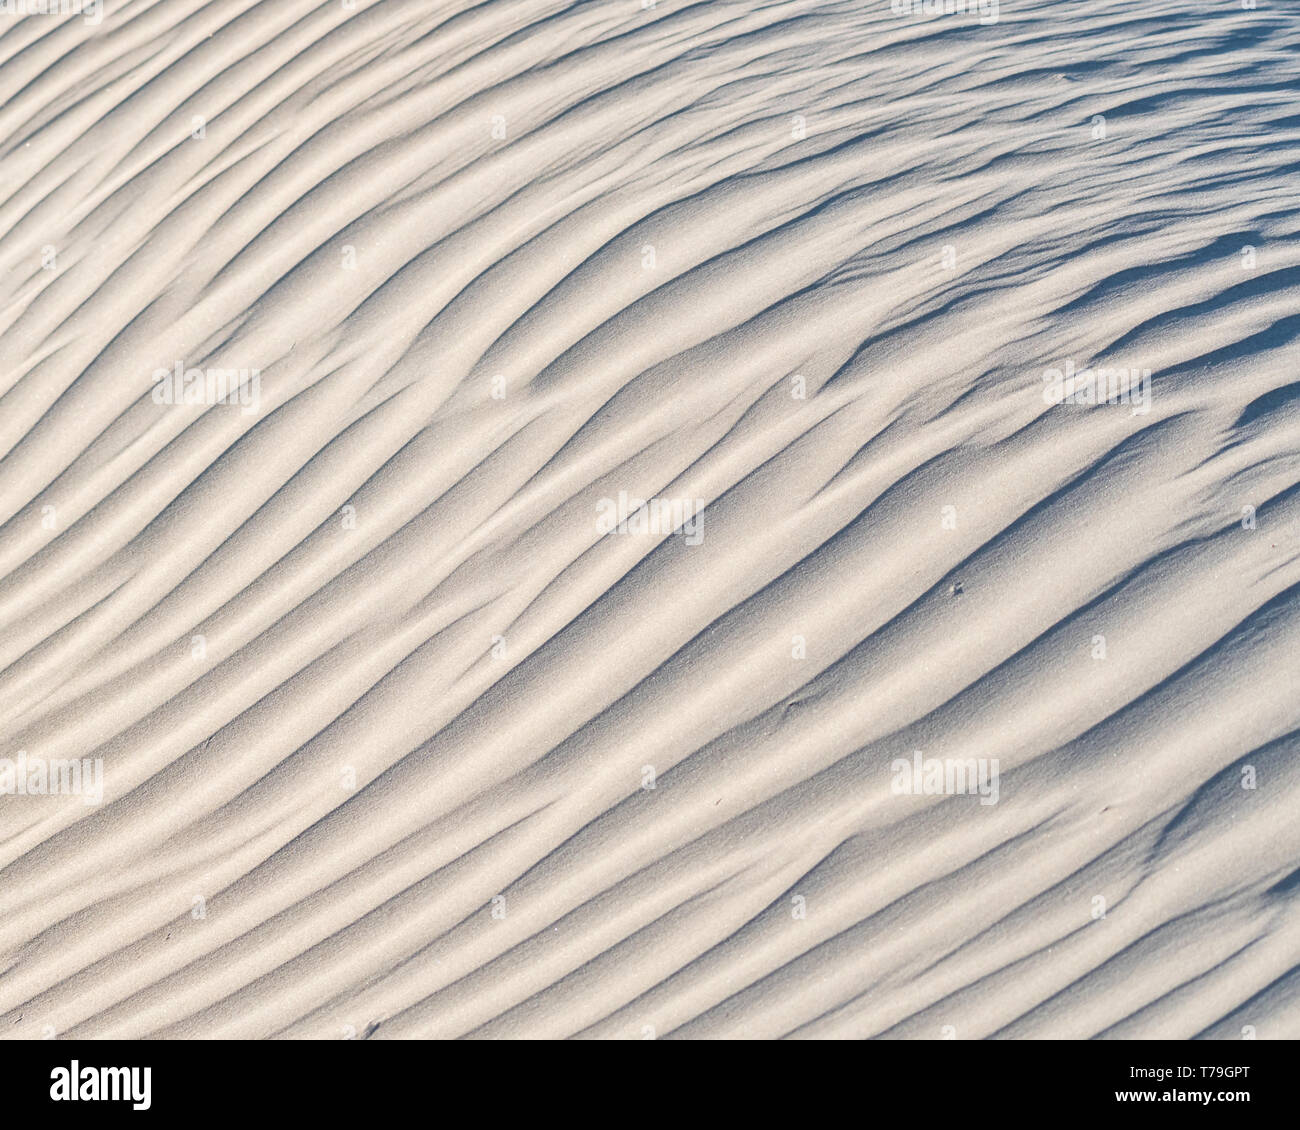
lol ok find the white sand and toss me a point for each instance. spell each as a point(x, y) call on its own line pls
point(378, 699)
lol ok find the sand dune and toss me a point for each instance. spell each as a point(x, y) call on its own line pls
point(940, 688)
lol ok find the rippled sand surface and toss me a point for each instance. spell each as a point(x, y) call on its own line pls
point(413, 722)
